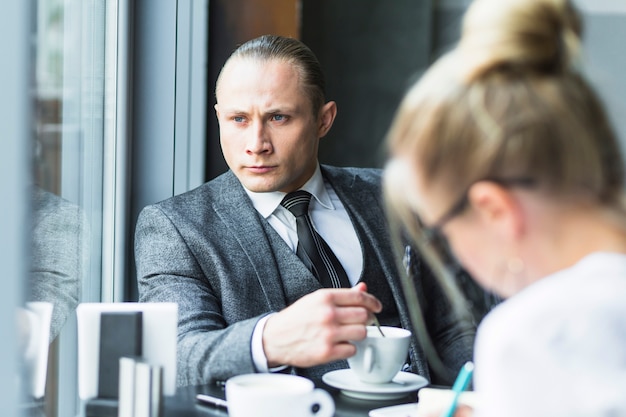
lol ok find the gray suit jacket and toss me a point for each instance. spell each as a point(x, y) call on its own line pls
point(211, 252)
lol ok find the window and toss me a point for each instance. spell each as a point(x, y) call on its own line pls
point(76, 88)
point(81, 174)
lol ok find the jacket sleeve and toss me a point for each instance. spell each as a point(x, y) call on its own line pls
point(209, 348)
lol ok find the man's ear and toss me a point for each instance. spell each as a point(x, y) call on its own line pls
point(327, 115)
point(217, 111)
point(497, 207)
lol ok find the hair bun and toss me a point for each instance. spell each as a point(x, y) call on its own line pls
point(532, 35)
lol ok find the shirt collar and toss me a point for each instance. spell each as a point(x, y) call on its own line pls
point(266, 203)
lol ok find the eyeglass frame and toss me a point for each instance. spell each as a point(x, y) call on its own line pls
point(434, 234)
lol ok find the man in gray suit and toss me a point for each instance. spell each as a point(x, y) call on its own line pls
point(226, 251)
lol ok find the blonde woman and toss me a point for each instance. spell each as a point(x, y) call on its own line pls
point(502, 153)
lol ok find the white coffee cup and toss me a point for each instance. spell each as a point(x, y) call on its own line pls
point(378, 359)
point(276, 395)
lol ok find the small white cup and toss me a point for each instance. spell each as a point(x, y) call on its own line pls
point(276, 395)
point(433, 401)
point(378, 359)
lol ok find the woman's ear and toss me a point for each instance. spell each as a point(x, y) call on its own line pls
point(327, 115)
point(498, 208)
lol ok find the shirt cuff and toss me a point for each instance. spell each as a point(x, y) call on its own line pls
point(258, 354)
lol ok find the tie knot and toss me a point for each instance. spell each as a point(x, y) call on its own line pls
point(297, 202)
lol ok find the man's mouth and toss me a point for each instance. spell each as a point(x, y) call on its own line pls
point(260, 169)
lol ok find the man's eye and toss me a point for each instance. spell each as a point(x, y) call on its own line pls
point(238, 119)
point(279, 117)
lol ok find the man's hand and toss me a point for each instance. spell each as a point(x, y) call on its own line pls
point(317, 328)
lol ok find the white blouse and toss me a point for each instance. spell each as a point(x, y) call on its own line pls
point(558, 348)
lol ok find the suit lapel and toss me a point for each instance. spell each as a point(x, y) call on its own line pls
point(355, 192)
point(240, 217)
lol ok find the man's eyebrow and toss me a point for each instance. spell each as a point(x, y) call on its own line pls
point(287, 109)
point(232, 110)
point(282, 109)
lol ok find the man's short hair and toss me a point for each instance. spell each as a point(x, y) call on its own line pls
point(269, 47)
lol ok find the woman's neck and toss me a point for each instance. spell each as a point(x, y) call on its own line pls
point(574, 233)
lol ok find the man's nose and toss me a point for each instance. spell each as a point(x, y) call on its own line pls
point(258, 139)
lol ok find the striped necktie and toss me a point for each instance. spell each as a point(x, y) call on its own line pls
point(312, 249)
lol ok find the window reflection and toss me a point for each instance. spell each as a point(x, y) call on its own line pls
point(48, 95)
point(67, 199)
point(58, 255)
point(58, 226)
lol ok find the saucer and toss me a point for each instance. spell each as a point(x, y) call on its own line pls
point(350, 385)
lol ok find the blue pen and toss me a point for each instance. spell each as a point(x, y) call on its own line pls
point(460, 385)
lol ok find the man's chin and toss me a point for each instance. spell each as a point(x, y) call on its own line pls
point(259, 186)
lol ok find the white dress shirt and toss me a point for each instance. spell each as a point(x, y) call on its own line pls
point(330, 220)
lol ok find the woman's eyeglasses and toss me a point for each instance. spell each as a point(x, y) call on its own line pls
point(434, 235)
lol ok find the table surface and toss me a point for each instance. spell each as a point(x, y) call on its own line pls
point(184, 404)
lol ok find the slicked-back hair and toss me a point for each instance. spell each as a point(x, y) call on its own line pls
point(272, 47)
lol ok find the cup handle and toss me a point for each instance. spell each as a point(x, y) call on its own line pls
point(368, 358)
point(322, 404)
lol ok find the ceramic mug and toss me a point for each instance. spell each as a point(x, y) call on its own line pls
point(276, 395)
point(378, 359)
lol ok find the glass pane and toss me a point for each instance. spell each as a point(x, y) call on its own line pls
point(59, 224)
point(67, 190)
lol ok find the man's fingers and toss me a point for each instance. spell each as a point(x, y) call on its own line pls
point(353, 315)
point(350, 332)
point(344, 297)
point(342, 351)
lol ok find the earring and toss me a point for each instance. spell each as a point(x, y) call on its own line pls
point(515, 266)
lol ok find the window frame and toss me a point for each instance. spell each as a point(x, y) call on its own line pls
point(15, 107)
